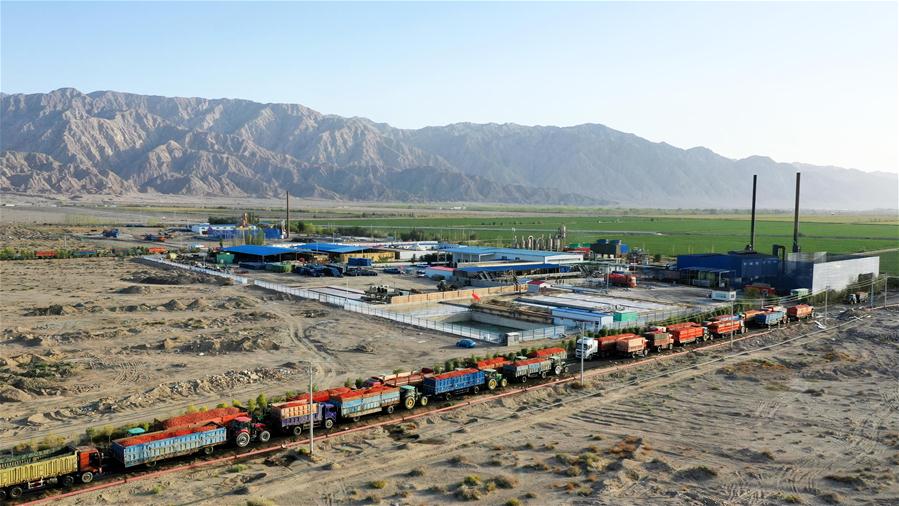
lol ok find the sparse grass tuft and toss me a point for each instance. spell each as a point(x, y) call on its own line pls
point(466, 493)
point(418, 471)
point(377, 484)
point(260, 501)
point(507, 482)
point(236, 468)
point(472, 480)
point(512, 502)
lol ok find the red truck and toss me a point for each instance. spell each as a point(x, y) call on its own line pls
point(685, 333)
point(623, 279)
point(801, 311)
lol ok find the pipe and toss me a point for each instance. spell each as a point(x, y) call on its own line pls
point(796, 217)
point(755, 178)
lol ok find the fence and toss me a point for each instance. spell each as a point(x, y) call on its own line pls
point(193, 268)
point(368, 309)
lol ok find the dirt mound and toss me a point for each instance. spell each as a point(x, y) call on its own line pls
point(217, 346)
point(314, 313)
point(135, 290)
point(13, 394)
point(53, 310)
point(695, 473)
point(173, 277)
point(236, 303)
point(174, 305)
point(197, 304)
point(749, 455)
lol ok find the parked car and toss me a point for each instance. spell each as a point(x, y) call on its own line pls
point(466, 343)
point(392, 270)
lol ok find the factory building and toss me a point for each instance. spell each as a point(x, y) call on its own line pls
point(729, 270)
point(475, 254)
point(821, 270)
point(249, 253)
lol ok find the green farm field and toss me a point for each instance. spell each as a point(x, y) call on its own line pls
point(665, 235)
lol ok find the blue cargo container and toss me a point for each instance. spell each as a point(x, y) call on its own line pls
point(437, 386)
point(256, 266)
point(359, 262)
point(770, 318)
point(165, 448)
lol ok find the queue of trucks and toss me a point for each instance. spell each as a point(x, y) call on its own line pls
point(659, 338)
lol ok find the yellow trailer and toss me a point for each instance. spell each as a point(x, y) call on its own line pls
point(19, 473)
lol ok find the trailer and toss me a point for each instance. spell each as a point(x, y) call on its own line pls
point(635, 346)
point(685, 333)
point(659, 340)
point(58, 466)
point(151, 447)
point(605, 346)
point(460, 381)
point(622, 279)
point(366, 401)
point(726, 328)
point(294, 416)
point(558, 353)
point(801, 312)
point(524, 368)
point(770, 319)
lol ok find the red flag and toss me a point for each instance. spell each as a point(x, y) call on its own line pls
point(475, 296)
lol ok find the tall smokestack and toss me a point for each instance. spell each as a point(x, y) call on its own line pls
point(288, 215)
point(755, 179)
point(796, 217)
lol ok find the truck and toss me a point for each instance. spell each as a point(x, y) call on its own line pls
point(151, 447)
point(622, 279)
point(361, 402)
point(523, 368)
point(770, 319)
point(41, 469)
point(685, 333)
point(659, 340)
point(635, 346)
point(409, 383)
point(294, 416)
point(112, 233)
point(801, 312)
point(460, 381)
point(725, 327)
point(591, 347)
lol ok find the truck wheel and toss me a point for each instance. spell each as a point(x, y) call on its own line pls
point(476, 390)
point(265, 436)
point(645, 352)
point(87, 477)
point(68, 481)
point(15, 492)
point(242, 440)
point(423, 401)
point(297, 430)
point(410, 402)
point(503, 383)
point(523, 379)
point(491, 385)
point(152, 463)
point(2, 494)
point(543, 374)
point(389, 410)
point(329, 423)
point(357, 418)
point(670, 346)
point(448, 397)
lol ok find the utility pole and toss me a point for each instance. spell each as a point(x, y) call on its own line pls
point(826, 289)
point(583, 336)
point(311, 414)
point(886, 282)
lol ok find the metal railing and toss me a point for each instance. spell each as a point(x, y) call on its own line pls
point(193, 268)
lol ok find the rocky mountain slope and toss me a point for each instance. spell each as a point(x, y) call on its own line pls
point(108, 142)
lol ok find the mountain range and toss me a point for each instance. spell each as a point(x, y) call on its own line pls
point(108, 142)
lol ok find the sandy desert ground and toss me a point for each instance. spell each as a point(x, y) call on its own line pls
point(91, 342)
point(810, 422)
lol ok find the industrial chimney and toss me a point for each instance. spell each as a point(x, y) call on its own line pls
point(751, 246)
point(796, 217)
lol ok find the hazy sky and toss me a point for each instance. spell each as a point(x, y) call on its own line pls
point(810, 82)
